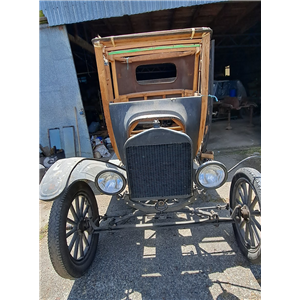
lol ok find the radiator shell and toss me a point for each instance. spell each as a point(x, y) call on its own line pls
point(159, 165)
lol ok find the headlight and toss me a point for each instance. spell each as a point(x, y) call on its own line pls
point(110, 182)
point(211, 175)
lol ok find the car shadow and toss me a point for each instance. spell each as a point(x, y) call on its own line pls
point(201, 262)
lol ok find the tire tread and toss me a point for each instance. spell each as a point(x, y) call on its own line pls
point(254, 177)
point(59, 258)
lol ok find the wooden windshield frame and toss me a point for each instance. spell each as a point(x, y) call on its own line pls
point(147, 47)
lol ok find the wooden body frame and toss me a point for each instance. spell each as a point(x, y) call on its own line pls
point(146, 48)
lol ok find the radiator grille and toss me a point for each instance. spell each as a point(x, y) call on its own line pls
point(159, 171)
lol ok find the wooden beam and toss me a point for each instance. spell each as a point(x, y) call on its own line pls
point(176, 35)
point(161, 93)
point(171, 19)
point(152, 44)
point(219, 15)
point(100, 28)
point(252, 19)
point(179, 127)
point(81, 42)
point(196, 71)
point(106, 93)
point(129, 23)
point(110, 28)
point(115, 81)
point(176, 128)
point(207, 155)
point(155, 56)
point(204, 85)
point(129, 54)
point(194, 16)
point(240, 18)
point(149, 21)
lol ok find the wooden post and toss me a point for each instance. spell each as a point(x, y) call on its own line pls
point(228, 120)
point(204, 85)
point(106, 93)
point(114, 74)
point(78, 137)
point(196, 72)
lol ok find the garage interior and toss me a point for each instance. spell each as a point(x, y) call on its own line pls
point(236, 31)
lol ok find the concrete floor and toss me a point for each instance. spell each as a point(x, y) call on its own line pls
point(182, 264)
point(241, 135)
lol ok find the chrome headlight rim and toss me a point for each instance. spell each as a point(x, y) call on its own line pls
point(110, 171)
point(207, 165)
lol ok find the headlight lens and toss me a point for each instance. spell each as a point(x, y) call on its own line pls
point(211, 175)
point(110, 182)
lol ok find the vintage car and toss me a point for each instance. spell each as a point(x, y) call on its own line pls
point(155, 95)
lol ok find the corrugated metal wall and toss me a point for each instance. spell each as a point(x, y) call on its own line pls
point(68, 12)
point(59, 91)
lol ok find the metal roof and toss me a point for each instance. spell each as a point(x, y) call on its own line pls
point(68, 12)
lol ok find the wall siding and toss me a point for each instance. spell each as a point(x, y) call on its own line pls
point(59, 88)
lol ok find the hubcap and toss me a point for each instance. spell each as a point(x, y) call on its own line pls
point(245, 212)
point(83, 225)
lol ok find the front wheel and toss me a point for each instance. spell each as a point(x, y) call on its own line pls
point(71, 242)
point(245, 190)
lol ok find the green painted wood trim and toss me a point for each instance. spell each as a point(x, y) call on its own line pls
point(153, 48)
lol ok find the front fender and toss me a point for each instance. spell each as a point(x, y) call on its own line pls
point(65, 171)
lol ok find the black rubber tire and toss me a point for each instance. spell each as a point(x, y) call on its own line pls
point(250, 242)
point(63, 262)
